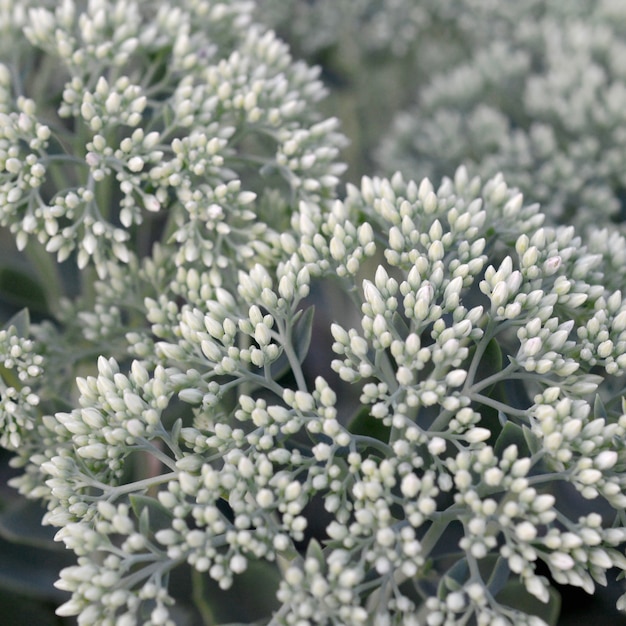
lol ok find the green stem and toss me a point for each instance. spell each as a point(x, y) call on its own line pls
point(372, 442)
point(292, 357)
point(138, 485)
point(437, 528)
point(500, 406)
point(497, 377)
point(480, 351)
point(197, 584)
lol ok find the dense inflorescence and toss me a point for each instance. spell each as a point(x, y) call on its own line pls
point(539, 99)
point(466, 434)
point(125, 121)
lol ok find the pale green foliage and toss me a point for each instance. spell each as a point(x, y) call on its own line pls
point(486, 353)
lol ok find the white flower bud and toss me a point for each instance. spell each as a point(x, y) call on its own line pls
point(561, 561)
point(605, 349)
point(477, 434)
point(526, 531)
point(493, 476)
point(265, 498)
point(410, 486)
point(499, 295)
point(437, 446)
point(358, 346)
point(374, 298)
point(456, 378)
point(337, 249)
point(606, 459)
point(590, 476)
point(404, 376)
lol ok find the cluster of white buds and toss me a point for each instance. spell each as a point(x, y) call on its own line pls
point(169, 118)
point(477, 415)
point(471, 397)
point(537, 97)
point(22, 369)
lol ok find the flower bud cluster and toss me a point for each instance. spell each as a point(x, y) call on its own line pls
point(22, 171)
point(322, 589)
point(581, 554)
point(232, 335)
point(119, 413)
point(112, 585)
point(219, 536)
point(589, 448)
point(547, 348)
point(207, 439)
point(105, 34)
point(234, 484)
point(473, 598)
point(533, 100)
point(162, 105)
point(603, 339)
point(21, 370)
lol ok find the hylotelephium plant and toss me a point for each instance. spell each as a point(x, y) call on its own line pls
point(540, 99)
point(487, 359)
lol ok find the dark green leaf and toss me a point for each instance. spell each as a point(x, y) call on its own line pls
point(512, 434)
point(490, 363)
point(599, 410)
point(21, 321)
point(251, 597)
point(499, 576)
point(280, 367)
point(454, 578)
point(314, 550)
point(175, 431)
point(32, 570)
point(19, 289)
point(144, 522)
point(515, 595)
point(531, 439)
point(364, 423)
point(400, 325)
point(157, 516)
point(21, 523)
point(490, 568)
point(21, 610)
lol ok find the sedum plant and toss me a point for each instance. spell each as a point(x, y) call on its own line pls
point(540, 99)
point(438, 449)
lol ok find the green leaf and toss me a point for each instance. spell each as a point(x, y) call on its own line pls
point(499, 576)
point(21, 321)
point(599, 410)
point(490, 363)
point(400, 324)
point(515, 596)
point(314, 550)
point(19, 289)
point(512, 434)
point(175, 430)
point(16, 609)
point(492, 568)
point(280, 367)
point(251, 597)
point(32, 570)
point(21, 523)
point(531, 439)
point(302, 333)
point(454, 578)
point(152, 515)
point(364, 423)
